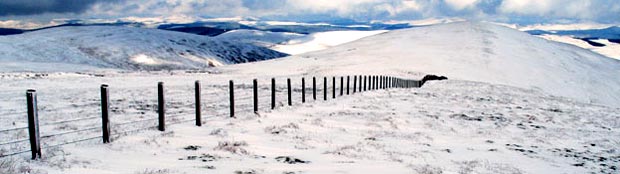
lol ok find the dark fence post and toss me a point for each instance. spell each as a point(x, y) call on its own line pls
point(255, 86)
point(341, 86)
point(105, 110)
point(198, 103)
point(288, 83)
point(354, 84)
point(364, 83)
point(231, 88)
point(303, 90)
point(360, 87)
point(324, 88)
point(333, 87)
point(348, 83)
point(33, 123)
point(314, 88)
point(161, 105)
point(273, 93)
point(374, 82)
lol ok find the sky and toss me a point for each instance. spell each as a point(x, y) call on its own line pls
point(32, 13)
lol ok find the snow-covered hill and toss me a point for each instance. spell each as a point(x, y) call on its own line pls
point(468, 51)
point(259, 38)
point(605, 41)
point(129, 48)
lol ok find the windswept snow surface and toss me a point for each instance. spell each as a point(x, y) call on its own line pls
point(467, 51)
point(125, 48)
point(445, 127)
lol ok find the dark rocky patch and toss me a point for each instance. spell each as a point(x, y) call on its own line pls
point(192, 147)
point(290, 160)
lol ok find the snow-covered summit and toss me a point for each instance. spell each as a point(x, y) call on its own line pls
point(122, 48)
point(468, 51)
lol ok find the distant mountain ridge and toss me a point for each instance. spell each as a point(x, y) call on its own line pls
point(127, 48)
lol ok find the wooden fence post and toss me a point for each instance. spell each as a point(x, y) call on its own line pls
point(341, 85)
point(324, 88)
point(314, 88)
point(255, 91)
point(273, 93)
point(365, 77)
point(354, 84)
point(161, 104)
point(360, 87)
point(303, 90)
point(198, 103)
point(33, 123)
point(231, 89)
point(348, 80)
point(333, 87)
point(288, 83)
point(105, 110)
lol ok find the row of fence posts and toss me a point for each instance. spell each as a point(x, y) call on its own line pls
point(368, 83)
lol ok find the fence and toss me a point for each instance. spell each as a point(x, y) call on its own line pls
point(170, 110)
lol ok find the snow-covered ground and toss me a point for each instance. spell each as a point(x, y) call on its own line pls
point(609, 49)
point(445, 127)
point(473, 123)
point(126, 48)
point(322, 40)
point(260, 38)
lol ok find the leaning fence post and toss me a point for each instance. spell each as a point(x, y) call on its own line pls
point(33, 123)
point(314, 88)
point(333, 87)
point(198, 105)
point(231, 89)
point(354, 84)
point(303, 90)
point(273, 93)
point(105, 110)
point(288, 83)
point(161, 105)
point(255, 92)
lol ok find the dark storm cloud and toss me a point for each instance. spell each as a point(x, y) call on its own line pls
point(33, 7)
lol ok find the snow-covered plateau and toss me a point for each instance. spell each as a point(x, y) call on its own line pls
point(514, 103)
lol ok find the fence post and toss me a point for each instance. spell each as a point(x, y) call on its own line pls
point(255, 92)
point(198, 105)
point(288, 83)
point(324, 88)
point(374, 82)
point(341, 85)
point(273, 93)
point(354, 84)
point(105, 110)
point(33, 123)
point(161, 105)
point(360, 87)
point(333, 87)
point(314, 88)
point(231, 89)
point(303, 90)
point(348, 80)
point(365, 77)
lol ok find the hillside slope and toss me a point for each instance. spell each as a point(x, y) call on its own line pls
point(122, 48)
point(467, 51)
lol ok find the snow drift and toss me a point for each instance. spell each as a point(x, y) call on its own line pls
point(92, 47)
point(467, 51)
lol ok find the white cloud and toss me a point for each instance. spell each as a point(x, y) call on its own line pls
point(461, 4)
